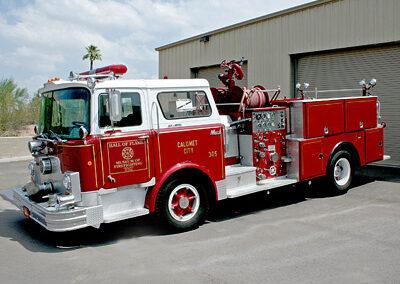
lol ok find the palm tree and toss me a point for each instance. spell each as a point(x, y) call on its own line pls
point(93, 53)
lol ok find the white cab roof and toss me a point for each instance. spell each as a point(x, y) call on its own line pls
point(127, 83)
point(154, 84)
point(61, 84)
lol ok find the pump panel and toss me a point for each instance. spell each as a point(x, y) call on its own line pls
point(268, 120)
point(269, 142)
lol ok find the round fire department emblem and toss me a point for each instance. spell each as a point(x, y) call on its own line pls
point(127, 153)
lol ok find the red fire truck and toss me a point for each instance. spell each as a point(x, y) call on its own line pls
point(108, 149)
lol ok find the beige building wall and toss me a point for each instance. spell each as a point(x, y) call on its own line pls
point(268, 42)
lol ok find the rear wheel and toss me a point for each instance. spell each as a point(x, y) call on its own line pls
point(340, 172)
point(182, 204)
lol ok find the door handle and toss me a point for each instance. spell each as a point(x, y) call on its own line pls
point(143, 137)
point(112, 131)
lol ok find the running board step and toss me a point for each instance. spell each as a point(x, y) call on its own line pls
point(240, 176)
point(260, 186)
point(131, 213)
point(238, 169)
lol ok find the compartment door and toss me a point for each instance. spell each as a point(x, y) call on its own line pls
point(360, 114)
point(324, 118)
point(374, 145)
point(312, 159)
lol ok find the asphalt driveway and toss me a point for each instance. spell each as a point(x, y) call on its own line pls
point(277, 239)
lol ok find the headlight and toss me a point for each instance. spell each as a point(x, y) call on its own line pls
point(67, 182)
point(35, 146)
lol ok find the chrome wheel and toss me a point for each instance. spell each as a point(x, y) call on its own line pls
point(183, 202)
point(342, 171)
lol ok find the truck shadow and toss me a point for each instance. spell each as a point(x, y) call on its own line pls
point(246, 205)
point(34, 238)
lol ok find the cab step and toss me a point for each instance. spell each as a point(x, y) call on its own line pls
point(264, 185)
point(130, 213)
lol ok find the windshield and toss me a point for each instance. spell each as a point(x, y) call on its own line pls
point(62, 112)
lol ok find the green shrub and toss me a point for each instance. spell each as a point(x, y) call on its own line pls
point(17, 109)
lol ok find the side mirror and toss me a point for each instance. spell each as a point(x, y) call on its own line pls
point(115, 105)
point(83, 133)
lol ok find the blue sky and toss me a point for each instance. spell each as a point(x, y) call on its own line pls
point(46, 38)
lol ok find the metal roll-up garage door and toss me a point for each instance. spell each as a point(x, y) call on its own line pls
point(344, 69)
point(210, 73)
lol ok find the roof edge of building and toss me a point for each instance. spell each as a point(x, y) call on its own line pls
point(248, 22)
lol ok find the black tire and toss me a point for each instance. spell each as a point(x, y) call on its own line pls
point(165, 215)
point(340, 172)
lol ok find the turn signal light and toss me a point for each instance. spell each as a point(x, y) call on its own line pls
point(26, 212)
point(53, 79)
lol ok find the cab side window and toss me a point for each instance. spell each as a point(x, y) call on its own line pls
point(131, 110)
point(176, 105)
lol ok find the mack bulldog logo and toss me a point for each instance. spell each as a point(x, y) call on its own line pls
point(127, 156)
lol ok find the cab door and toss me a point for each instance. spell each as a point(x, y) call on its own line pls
point(190, 132)
point(125, 147)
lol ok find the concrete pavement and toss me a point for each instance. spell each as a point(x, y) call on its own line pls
point(278, 239)
point(14, 149)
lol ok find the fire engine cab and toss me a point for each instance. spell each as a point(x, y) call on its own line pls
point(108, 149)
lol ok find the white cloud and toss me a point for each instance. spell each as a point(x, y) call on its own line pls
point(44, 38)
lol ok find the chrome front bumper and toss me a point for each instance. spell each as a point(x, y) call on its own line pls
point(59, 220)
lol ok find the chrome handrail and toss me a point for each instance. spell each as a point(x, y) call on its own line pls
point(154, 105)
